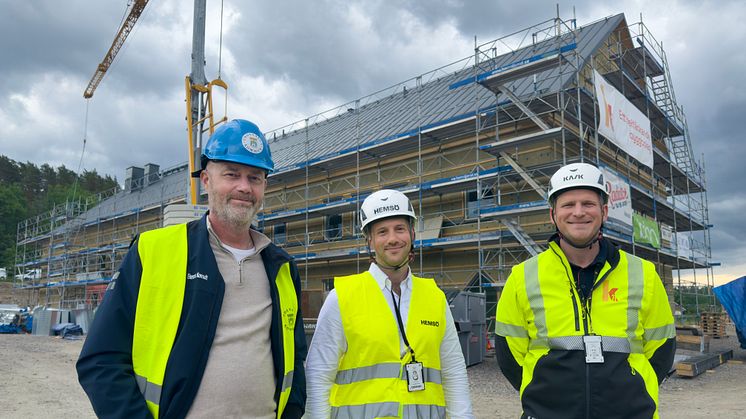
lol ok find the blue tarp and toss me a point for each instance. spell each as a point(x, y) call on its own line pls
point(9, 329)
point(67, 329)
point(733, 297)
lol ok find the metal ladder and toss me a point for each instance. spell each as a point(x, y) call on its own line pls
point(520, 234)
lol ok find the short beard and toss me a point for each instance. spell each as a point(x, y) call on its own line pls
point(233, 218)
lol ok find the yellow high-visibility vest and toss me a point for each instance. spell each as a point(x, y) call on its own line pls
point(371, 379)
point(160, 302)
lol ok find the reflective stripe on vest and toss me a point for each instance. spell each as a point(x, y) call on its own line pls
point(151, 392)
point(382, 410)
point(287, 381)
point(364, 411)
point(159, 306)
point(371, 381)
point(417, 411)
point(630, 344)
point(575, 343)
point(383, 370)
point(505, 329)
point(536, 302)
point(635, 285)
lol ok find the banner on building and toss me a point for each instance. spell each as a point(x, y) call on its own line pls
point(621, 122)
point(646, 231)
point(667, 236)
point(683, 245)
point(620, 200)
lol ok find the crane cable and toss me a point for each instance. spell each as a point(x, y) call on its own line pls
point(220, 46)
point(220, 57)
point(82, 152)
point(87, 105)
point(124, 15)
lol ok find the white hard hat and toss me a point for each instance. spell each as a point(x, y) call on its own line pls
point(385, 203)
point(577, 175)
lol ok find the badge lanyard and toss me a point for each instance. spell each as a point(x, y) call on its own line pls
point(415, 381)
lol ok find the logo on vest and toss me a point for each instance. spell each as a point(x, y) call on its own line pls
point(609, 293)
point(289, 315)
point(198, 275)
point(430, 323)
point(612, 294)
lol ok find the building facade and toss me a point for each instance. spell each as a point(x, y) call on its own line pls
point(473, 144)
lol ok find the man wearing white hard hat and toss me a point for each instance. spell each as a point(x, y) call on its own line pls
point(584, 329)
point(385, 343)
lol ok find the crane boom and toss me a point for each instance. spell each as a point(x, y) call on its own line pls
point(124, 31)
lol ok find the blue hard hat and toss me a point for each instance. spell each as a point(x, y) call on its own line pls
point(238, 141)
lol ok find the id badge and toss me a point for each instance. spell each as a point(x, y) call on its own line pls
point(593, 351)
point(415, 381)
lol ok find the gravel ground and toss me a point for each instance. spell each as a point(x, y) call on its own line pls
point(37, 380)
point(492, 396)
point(720, 392)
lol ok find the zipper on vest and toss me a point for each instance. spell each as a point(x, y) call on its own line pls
point(575, 306)
point(587, 305)
point(587, 390)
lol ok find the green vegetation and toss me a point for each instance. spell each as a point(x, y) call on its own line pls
point(695, 300)
point(27, 190)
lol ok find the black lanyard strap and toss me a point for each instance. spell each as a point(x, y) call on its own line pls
point(401, 325)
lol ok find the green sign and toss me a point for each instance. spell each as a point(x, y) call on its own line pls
point(646, 230)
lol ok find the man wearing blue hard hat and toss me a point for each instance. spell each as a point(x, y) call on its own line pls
point(203, 319)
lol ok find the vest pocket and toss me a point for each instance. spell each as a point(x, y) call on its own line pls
point(557, 387)
point(618, 390)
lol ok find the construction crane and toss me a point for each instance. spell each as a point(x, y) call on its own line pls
point(124, 31)
point(200, 114)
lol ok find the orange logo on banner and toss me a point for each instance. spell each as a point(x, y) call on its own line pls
point(608, 111)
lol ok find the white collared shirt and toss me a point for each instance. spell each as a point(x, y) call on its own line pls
point(329, 344)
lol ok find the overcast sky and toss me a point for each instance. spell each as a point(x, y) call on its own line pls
point(286, 60)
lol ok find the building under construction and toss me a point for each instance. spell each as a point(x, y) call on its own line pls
point(473, 144)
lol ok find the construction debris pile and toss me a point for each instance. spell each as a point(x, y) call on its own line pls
point(14, 319)
point(43, 321)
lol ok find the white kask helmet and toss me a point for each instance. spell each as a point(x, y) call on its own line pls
point(577, 175)
point(385, 203)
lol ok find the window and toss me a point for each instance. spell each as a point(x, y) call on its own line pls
point(473, 204)
point(280, 233)
point(333, 228)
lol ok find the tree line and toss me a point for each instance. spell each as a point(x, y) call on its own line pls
point(27, 190)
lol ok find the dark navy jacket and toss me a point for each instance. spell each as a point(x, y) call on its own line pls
point(105, 363)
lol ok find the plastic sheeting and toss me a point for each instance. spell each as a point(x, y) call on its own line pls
point(67, 329)
point(733, 297)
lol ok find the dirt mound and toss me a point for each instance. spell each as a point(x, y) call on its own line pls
point(7, 294)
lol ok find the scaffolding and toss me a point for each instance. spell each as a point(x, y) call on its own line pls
point(65, 257)
point(473, 144)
